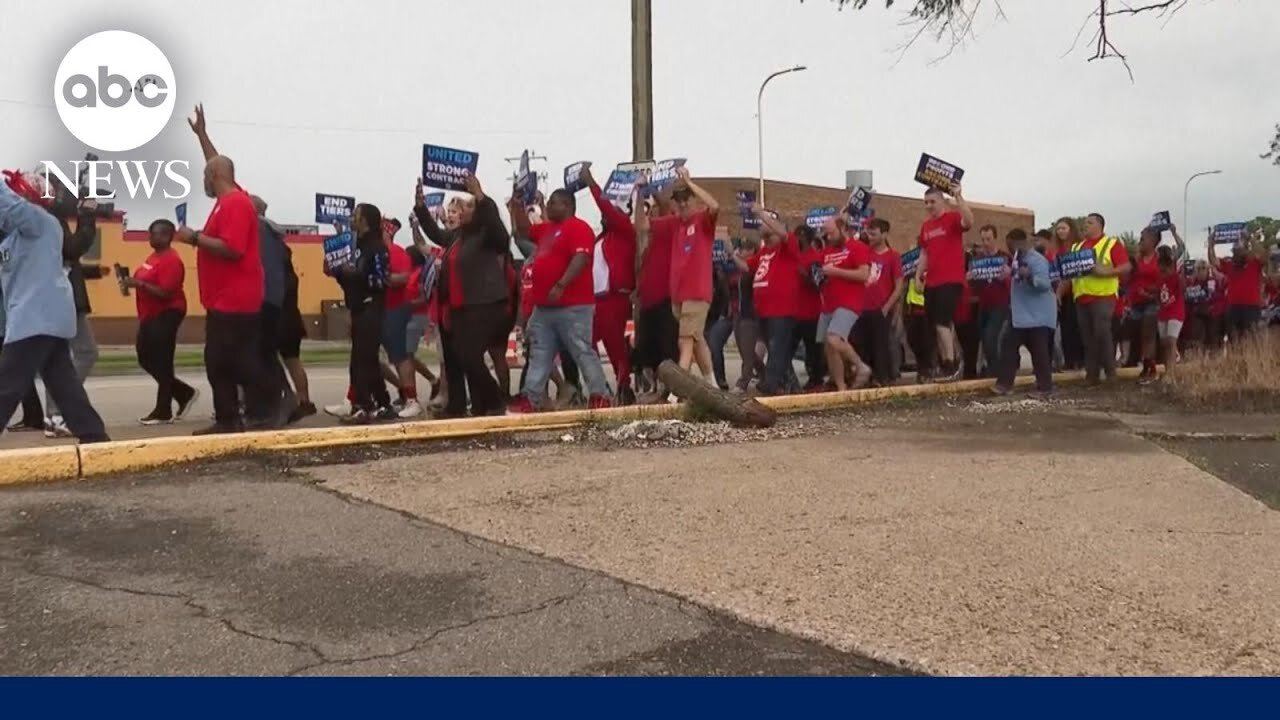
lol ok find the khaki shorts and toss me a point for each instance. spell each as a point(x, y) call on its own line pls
point(692, 316)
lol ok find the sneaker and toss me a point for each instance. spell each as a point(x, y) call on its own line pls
point(25, 427)
point(949, 376)
point(568, 396)
point(56, 427)
point(340, 410)
point(522, 406)
point(385, 414)
point(303, 410)
point(410, 410)
point(862, 378)
point(1001, 390)
point(357, 417)
point(217, 429)
point(184, 408)
point(599, 402)
point(1147, 377)
point(154, 419)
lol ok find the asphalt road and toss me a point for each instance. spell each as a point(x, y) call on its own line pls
point(244, 571)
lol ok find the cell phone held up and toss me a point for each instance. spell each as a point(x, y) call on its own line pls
point(122, 277)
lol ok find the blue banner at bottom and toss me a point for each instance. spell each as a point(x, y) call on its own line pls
point(1020, 698)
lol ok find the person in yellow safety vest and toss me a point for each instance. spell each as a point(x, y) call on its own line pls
point(1095, 297)
point(919, 330)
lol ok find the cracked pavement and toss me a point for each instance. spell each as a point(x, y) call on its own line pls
point(237, 569)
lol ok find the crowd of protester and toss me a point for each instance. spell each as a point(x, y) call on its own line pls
point(839, 297)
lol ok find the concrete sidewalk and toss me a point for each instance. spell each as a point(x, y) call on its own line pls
point(960, 544)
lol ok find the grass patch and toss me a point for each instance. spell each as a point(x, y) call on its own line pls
point(1246, 378)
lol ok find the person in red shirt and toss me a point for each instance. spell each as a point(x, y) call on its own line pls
point(1173, 304)
point(775, 271)
point(1244, 274)
point(563, 300)
point(967, 335)
point(942, 270)
point(656, 337)
point(809, 303)
point(395, 325)
point(876, 333)
point(162, 305)
point(690, 233)
point(1143, 293)
point(229, 270)
point(614, 272)
point(846, 267)
point(993, 301)
point(1095, 309)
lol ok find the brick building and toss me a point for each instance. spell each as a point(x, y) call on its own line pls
point(794, 200)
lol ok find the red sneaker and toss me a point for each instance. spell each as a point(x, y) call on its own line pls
point(599, 402)
point(521, 406)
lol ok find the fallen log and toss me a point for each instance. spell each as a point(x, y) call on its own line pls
point(741, 411)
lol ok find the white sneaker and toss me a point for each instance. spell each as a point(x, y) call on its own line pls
point(56, 427)
point(410, 410)
point(341, 410)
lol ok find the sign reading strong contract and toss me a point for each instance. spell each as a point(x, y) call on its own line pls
point(115, 91)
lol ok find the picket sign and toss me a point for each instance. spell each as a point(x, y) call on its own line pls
point(515, 347)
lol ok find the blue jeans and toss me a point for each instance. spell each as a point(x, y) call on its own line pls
point(779, 370)
point(717, 337)
point(556, 329)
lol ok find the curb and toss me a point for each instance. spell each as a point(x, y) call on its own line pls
point(78, 462)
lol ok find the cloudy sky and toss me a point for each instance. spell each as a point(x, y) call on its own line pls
point(339, 96)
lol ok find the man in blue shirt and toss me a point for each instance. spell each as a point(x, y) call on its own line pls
point(40, 316)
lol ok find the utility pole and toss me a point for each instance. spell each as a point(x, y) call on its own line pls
point(641, 80)
point(515, 174)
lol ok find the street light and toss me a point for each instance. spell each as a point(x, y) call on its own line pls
point(1186, 189)
point(760, 122)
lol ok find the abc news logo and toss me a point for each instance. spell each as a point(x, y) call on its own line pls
point(81, 91)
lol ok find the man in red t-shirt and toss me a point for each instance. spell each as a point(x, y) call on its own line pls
point(846, 266)
point(563, 298)
point(775, 269)
point(877, 334)
point(1244, 275)
point(395, 325)
point(614, 274)
point(691, 234)
point(942, 270)
point(229, 270)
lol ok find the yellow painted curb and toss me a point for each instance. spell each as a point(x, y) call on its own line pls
point(35, 465)
point(71, 462)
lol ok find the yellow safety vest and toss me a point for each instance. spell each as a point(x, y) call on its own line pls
point(1091, 284)
point(914, 295)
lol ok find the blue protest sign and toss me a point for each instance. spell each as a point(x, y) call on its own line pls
point(621, 185)
point(1195, 294)
point(526, 181)
point(339, 250)
point(334, 209)
point(1054, 274)
point(986, 268)
point(746, 199)
point(1161, 221)
point(447, 168)
point(663, 175)
point(573, 176)
point(427, 278)
point(817, 276)
point(859, 203)
point(910, 260)
point(435, 205)
point(1076, 264)
point(1228, 233)
point(818, 217)
point(180, 212)
point(720, 257)
point(937, 173)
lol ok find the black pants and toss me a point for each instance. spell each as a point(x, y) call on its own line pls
point(922, 337)
point(1038, 342)
point(454, 377)
point(233, 362)
point(157, 339)
point(1072, 344)
point(475, 329)
point(657, 337)
point(272, 318)
point(815, 358)
point(872, 338)
point(779, 334)
point(50, 358)
point(365, 367)
point(970, 338)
